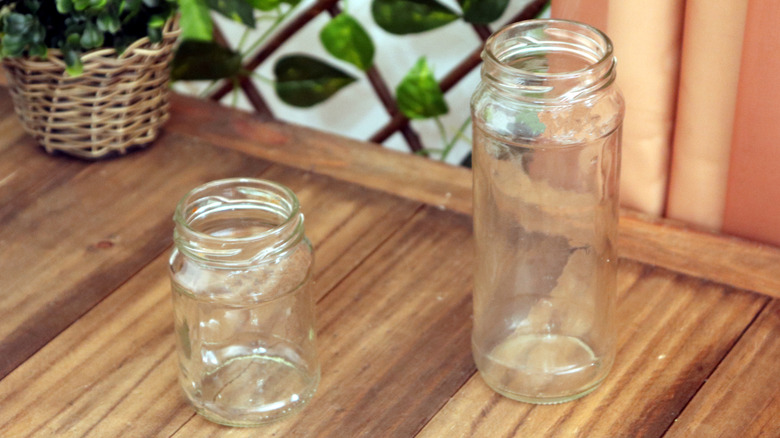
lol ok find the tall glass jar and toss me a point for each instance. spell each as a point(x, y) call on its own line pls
point(547, 124)
point(243, 310)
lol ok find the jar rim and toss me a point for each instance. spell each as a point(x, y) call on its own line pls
point(181, 218)
point(605, 58)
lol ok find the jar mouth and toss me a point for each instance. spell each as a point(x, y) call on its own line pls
point(549, 59)
point(561, 36)
point(237, 220)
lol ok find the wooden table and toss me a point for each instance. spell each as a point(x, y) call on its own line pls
point(86, 327)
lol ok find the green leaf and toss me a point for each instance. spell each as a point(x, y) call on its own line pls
point(204, 60)
point(97, 5)
point(130, 7)
point(304, 81)
point(17, 24)
point(80, 5)
point(108, 22)
point(32, 5)
point(346, 39)
point(38, 50)
point(154, 33)
point(265, 5)
point(92, 37)
point(483, 11)
point(195, 20)
point(13, 45)
point(37, 34)
point(402, 17)
point(74, 40)
point(64, 6)
point(236, 10)
point(419, 95)
point(73, 61)
point(156, 21)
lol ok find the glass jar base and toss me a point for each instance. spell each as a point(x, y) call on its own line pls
point(541, 369)
point(253, 390)
point(543, 400)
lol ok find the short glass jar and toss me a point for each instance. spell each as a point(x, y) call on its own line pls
point(244, 314)
point(547, 125)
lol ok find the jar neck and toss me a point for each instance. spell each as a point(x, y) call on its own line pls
point(238, 222)
point(548, 61)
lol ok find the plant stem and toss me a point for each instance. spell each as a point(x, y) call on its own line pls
point(544, 9)
point(258, 76)
point(242, 41)
point(277, 21)
point(458, 135)
point(442, 134)
point(209, 88)
point(234, 97)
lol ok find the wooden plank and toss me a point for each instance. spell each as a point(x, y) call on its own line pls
point(345, 222)
point(668, 244)
point(73, 231)
point(409, 176)
point(10, 131)
point(6, 104)
point(114, 370)
point(112, 373)
point(724, 259)
point(673, 331)
point(742, 397)
point(394, 338)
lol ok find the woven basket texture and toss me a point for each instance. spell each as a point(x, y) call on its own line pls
point(119, 102)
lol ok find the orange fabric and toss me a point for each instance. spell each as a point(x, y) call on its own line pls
point(648, 38)
point(712, 41)
point(593, 12)
point(753, 195)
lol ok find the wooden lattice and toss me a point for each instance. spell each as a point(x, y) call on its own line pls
point(398, 122)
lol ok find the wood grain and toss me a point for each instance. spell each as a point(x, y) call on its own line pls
point(10, 129)
point(74, 231)
point(742, 397)
point(115, 372)
point(721, 258)
point(345, 222)
point(405, 175)
point(668, 244)
point(394, 338)
point(666, 350)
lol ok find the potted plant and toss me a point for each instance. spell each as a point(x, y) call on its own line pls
point(90, 77)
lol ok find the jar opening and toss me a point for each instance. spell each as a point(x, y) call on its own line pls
point(238, 220)
point(549, 58)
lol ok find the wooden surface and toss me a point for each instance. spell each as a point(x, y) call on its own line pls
point(86, 326)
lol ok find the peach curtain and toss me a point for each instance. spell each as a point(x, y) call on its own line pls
point(712, 47)
point(753, 197)
point(647, 40)
point(701, 139)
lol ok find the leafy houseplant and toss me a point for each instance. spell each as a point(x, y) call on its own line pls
point(90, 77)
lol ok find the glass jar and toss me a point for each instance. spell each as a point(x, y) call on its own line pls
point(547, 121)
point(244, 314)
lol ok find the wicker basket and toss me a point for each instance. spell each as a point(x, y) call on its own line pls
point(117, 103)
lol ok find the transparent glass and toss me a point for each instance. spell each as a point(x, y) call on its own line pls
point(244, 314)
point(547, 118)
